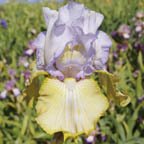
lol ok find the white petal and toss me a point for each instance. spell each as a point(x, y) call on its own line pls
point(92, 21)
point(77, 15)
point(39, 43)
point(49, 15)
point(101, 45)
point(55, 44)
point(70, 12)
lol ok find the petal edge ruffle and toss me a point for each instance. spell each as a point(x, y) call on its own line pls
point(71, 107)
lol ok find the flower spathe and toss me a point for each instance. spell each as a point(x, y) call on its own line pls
point(69, 51)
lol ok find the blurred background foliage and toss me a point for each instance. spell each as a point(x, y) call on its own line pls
point(19, 25)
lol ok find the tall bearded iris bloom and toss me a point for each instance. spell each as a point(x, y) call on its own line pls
point(72, 49)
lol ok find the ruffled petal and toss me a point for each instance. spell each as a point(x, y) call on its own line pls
point(55, 44)
point(75, 14)
point(70, 12)
point(39, 43)
point(70, 106)
point(56, 38)
point(101, 45)
point(50, 16)
point(54, 72)
point(85, 40)
point(92, 21)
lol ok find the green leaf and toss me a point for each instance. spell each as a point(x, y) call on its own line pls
point(140, 61)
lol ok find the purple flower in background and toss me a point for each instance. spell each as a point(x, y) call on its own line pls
point(27, 74)
point(12, 72)
point(16, 92)
point(23, 61)
point(139, 47)
point(124, 31)
point(10, 85)
point(140, 15)
point(122, 34)
point(139, 24)
point(114, 34)
point(123, 46)
point(31, 49)
point(3, 94)
point(141, 99)
point(72, 46)
point(135, 73)
point(90, 139)
point(103, 138)
point(3, 23)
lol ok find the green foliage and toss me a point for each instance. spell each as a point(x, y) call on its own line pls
point(25, 21)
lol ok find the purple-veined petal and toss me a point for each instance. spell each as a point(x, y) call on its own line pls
point(39, 43)
point(86, 41)
point(86, 49)
point(101, 45)
point(55, 44)
point(76, 14)
point(70, 13)
point(92, 21)
point(54, 72)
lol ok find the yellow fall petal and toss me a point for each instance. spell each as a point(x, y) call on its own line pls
point(70, 106)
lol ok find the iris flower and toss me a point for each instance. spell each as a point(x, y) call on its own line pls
point(68, 53)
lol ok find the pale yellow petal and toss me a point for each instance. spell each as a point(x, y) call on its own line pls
point(70, 106)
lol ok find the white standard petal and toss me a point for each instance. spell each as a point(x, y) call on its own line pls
point(70, 13)
point(101, 45)
point(77, 15)
point(49, 15)
point(56, 43)
point(92, 21)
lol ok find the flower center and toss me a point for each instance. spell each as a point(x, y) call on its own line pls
point(70, 62)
